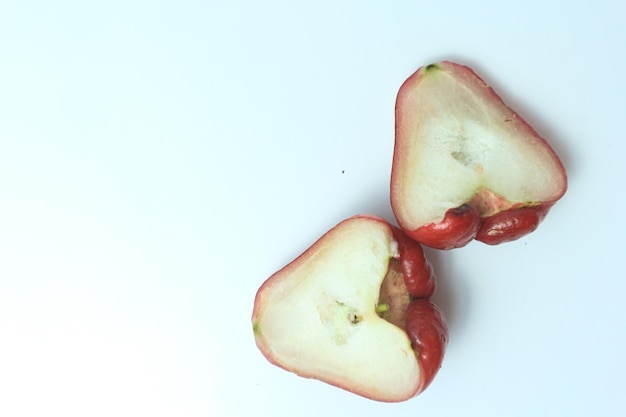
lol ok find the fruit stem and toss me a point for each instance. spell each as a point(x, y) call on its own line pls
point(381, 308)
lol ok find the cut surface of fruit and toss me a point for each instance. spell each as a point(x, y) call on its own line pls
point(320, 316)
point(458, 143)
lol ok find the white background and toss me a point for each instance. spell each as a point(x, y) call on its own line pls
point(160, 159)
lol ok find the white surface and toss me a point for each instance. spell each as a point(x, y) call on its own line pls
point(159, 160)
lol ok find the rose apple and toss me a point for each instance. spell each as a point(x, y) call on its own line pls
point(353, 311)
point(465, 165)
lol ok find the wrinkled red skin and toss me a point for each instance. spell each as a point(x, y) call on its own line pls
point(417, 271)
point(512, 224)
point(424, 324)
point(462, 224)
point(428, 332)
point(419, 277)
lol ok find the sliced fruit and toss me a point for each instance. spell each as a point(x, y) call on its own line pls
point(342, 313)
point(465, 165)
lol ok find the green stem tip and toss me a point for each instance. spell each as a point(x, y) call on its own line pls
point(381, 308)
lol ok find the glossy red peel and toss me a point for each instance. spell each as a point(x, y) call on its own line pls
point(419, 277)
point(458, 227)
point(512, 224)
point(428, 332)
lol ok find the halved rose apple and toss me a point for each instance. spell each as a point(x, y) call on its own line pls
point(353, 311)
point(465, 165)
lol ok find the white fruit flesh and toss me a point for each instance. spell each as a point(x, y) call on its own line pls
point(455, 138)
point(317, 316)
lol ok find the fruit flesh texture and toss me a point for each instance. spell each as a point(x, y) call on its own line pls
point(317, 317)
point(462, 156)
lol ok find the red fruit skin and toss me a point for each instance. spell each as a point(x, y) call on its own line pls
point(512, 224)
point(425, 324)
point(428, 332)
point(419, 277)
point(458, 227)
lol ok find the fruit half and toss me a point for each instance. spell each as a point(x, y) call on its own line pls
point(342, 313)
point(465, 165)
